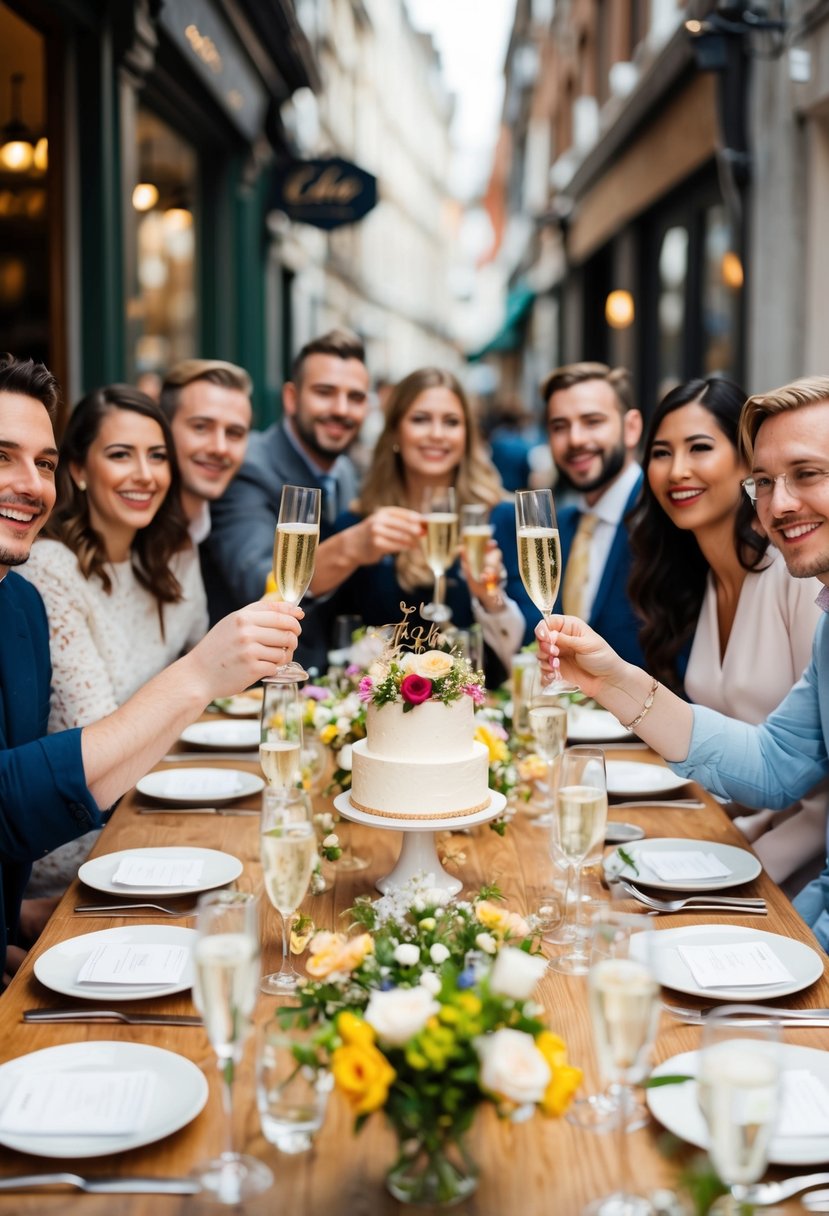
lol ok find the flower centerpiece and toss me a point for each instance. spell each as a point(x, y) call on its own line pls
point(414, 677)
point(426, 1011)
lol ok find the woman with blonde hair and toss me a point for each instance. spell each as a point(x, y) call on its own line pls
point(376, 559)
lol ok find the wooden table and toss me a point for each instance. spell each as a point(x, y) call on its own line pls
point(533, 1168)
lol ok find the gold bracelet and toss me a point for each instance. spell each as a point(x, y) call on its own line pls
point(648, 703)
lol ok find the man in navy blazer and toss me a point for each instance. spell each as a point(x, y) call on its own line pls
point(52, 786)
point(325, 404)
point(594, 428)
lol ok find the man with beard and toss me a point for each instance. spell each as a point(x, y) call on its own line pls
point(325, 403)
point(594, 429)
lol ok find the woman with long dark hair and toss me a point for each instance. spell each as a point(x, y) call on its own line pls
point(116, 570)
point(430, 441)
point(705, 576)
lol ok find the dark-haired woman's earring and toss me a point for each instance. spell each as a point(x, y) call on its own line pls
point(395, 447)
point(81, 485)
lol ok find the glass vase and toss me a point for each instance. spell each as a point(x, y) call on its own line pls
point(436, 1171)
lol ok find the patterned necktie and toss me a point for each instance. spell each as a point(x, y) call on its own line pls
point(578, 566)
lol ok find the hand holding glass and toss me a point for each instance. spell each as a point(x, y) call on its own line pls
point(225, 987)
point(539, 556)
point(289, 851)
point(294, 550)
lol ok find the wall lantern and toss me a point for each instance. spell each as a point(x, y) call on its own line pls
point(619, 310)
point(16, 144)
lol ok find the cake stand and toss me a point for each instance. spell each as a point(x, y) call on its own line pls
point(418, 853)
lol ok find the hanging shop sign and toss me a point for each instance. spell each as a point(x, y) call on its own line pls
point(325, 193)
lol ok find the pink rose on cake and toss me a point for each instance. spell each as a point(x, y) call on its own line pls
point(415, 689)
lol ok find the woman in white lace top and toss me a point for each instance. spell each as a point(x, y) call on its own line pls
point(117, 572)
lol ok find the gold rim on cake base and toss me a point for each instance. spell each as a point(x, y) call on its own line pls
point(473, 810)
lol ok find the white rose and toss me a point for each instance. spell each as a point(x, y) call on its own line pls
point(433, 664)
point(436, 897)
point(344, 758)
point(408, 661)
point(400, 1014)
point(486, 942)
point(512, 1067)
point(343, 724)
point(331, 841)
point(438, 953)
point(431, 982)
point(407, 955)
point(322, 717)
point(516, 973)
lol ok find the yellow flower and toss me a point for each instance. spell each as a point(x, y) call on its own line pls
point(501, 921)
point(364, 1075)
point(532, 768)
point(354, 1031)
point(335, 952)
point(497, 748)
point(565, 1078)
point(328, 733)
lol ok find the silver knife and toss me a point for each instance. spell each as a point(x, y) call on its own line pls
point(194, 810)
point(111, 1015)
point(103, 1186)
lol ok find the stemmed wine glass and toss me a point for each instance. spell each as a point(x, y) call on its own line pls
point(225, 987)
point(440, 542)
point(624, 1012)
point(580, 820)
point(539, 557)
point(294, 550)
point(280, 734)
point(548, 726)
point(476, 533)
point(289, 850)
point(738, 1083)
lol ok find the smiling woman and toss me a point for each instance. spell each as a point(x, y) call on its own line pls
point(116, 571)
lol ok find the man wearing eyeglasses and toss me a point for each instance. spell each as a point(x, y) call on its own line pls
point(785, 437)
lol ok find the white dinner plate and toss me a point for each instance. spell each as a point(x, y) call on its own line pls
point(218, 869)
point(677, 1106)
point(743, 865)
point(245, 705)
point(179, 1094)
point(628, 778)
point(220, 735)
point(804, 963)
point(586, 725)
point(200, 786)
point(58, 968)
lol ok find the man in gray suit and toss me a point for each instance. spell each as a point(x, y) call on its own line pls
point(325, 403)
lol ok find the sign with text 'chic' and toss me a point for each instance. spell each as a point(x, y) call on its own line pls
point(325, 193)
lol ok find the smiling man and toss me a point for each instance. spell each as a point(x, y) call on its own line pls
point(325, 403)
point(785, 438)
point(51, 787)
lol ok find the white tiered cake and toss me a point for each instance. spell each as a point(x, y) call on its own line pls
point(421, 764)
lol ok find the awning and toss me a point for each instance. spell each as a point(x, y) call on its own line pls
point(511, 333)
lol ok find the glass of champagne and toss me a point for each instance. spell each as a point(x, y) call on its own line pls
point(288, 844)
point(280, 734)
point(548, 727)
point(539, 557)
point(294, 550)
point(738, 1083)
point(476, 533)
point(226, 982)
point(624, 1012)
point(441, 543)
point(580, 820)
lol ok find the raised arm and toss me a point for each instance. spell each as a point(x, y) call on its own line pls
point(387, 530)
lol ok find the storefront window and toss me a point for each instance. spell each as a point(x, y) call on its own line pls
point(24, 185)
point(163, 314)
point(673, 273)
point(722, 285)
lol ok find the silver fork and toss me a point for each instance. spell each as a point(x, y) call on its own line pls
point(752, 1015)
point(103, 1186)
point(131, 910)
point(697, 903)
point(764, 1193)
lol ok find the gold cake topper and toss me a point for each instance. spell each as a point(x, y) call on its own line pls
point(417, 637)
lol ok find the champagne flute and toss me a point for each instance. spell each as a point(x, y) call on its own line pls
point(476, 533)
point(738, 1083)
point(289, 850)
point(280, 734)
point(539, 557)
point(440, 542)
point(294, 550)
point(580, 820)
point(225, 985)
point(624, 1012)
point(548, 727)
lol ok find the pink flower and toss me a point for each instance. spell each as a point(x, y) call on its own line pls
point(366, 688)
point(475, 692)
point(415, 689)
point(315, 693)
